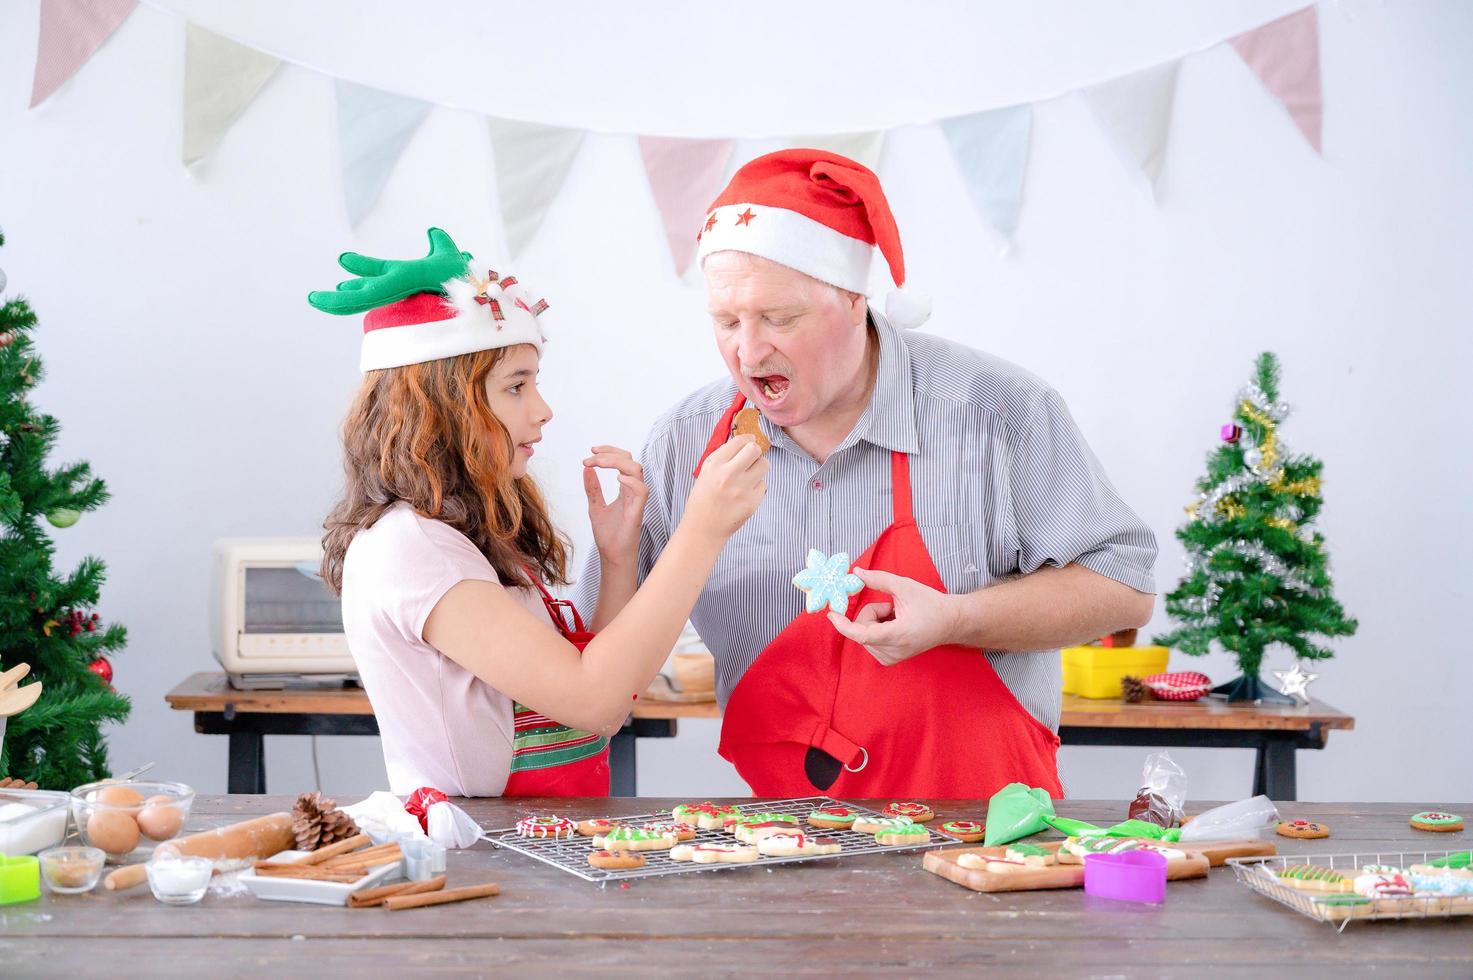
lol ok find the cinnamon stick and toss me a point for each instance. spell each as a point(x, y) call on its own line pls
point(397, 902)
point(369, 897)
point(358, 857)
point(333, 850)
point(270, 869)
point(362, 866)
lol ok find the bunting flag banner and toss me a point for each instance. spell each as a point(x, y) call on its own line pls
point(1135, 112)
point(221, 78)
point(991, 150)
point(866, 148)
point(71, 31)
point(532, 161)
point(374, 127)
point(1285, 55)
point(685, 176)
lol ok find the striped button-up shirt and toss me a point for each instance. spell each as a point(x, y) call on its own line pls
point(1002, 481)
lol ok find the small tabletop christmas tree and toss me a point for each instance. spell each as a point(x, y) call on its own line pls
point(1257, 572)
point(58, 742)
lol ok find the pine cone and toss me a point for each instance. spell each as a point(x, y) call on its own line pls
point(1133, 690)
point(317, 822)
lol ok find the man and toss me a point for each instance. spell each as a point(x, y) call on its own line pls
point(987, 533)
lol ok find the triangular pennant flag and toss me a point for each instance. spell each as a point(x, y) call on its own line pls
point(374, 127)
point(1135, 112)
point(71, 31)
point(1285, 54)
point(221, 78)
point(685, 176)
point(866, 148)
point(532, 161)
point(991, 148)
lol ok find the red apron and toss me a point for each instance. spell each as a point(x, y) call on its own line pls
point(817, 713)
point(549, 759)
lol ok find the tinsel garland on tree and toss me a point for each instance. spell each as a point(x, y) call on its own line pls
point(58, 741)
point(1257, 570)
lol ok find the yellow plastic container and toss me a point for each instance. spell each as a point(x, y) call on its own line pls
point(1095, 672)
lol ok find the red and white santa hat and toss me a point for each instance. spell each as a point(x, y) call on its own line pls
point(476, 311)
point(819, 213)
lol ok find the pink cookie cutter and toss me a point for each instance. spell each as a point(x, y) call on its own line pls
point(1130, 876)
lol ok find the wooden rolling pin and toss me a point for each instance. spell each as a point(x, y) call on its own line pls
point(258, 838)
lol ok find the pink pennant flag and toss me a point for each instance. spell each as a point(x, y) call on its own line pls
point(71, 30)
point(1285, 54)
point(685, 176)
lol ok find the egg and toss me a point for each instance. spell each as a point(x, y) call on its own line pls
point(160, 819)
point(119, 796)
point(113, 831)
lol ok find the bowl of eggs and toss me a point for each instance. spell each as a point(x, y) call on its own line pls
point(116, 817)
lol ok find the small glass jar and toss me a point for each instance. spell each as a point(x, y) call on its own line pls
point(177, 879)
point(72, 870)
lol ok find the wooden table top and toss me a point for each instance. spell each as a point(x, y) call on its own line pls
point(864, 914)
point(211, 691)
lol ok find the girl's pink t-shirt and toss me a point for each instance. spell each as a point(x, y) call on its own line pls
point(441, 725)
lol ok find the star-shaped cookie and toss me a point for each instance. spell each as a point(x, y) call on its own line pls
point(828, 581)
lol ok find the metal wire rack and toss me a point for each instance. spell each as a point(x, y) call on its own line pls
point(571, 854)
point(1341, 908)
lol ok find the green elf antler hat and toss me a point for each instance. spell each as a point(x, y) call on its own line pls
point(442, 305)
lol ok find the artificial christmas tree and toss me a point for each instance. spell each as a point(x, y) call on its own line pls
point(1257, 571)
point(58, 742)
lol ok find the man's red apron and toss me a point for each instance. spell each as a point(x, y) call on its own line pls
point(817, 712)
point(549, 759)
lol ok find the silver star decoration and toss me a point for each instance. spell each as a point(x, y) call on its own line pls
point(828, 582)
point(1295, 683)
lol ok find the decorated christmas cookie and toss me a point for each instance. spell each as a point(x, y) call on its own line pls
point(1437, 822)
point(748, 422)
point(967, 831)
point(796, 842)
point(595, 827)
point(616, 860)
point(753, 827)
point(901, 830)
point(545, 827)
point(1075, 849)
point(832, 818)
point(866, 824)
point(828, 582)
point(1302, 829)
point(1310, 878)
point(1030, 855)
point(707, 816)
point(680, 831)
point(918, 812)
point(714, 853)
point(634, 839)
point(1382, 886)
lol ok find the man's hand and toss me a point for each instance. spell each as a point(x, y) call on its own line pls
point(918, 619)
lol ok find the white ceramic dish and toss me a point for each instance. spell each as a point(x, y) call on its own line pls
point(315, 892)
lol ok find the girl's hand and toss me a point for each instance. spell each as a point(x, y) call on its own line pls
point(732, 483)
point(615, 523)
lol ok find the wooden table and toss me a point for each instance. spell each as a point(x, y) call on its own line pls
point(859, 915)
point(1274, 731)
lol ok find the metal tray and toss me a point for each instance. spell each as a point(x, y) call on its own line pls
point(1255, 873)
point(571, 854)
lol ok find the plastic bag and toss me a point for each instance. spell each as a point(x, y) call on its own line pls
point(1232, 821)
point(1015, 811)
point(1163, 792)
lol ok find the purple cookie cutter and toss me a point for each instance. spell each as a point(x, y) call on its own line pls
point(1130, 876)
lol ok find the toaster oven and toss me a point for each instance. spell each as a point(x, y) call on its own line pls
point(272, 619)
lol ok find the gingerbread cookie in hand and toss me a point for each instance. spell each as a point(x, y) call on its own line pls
point(748, 423)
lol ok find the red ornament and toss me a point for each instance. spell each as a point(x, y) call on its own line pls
point(102, 669)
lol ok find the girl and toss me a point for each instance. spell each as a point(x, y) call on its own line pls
point(484, 684)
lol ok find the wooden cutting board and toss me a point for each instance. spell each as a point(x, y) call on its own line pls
point(943, 863)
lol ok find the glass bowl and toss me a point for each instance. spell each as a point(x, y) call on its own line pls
point(119, 816)
point(72, 870)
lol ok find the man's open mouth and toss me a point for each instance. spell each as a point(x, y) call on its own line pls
point(772, 387)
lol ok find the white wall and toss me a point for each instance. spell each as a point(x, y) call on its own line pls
point(185, 364)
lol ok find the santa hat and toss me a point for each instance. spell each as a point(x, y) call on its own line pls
point(819, 213)
point(442, 305)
